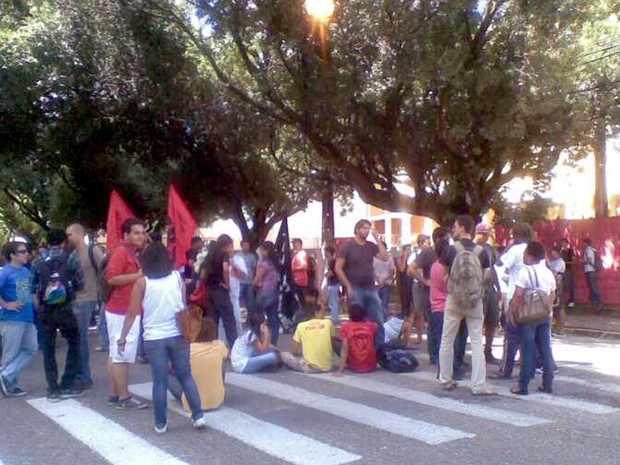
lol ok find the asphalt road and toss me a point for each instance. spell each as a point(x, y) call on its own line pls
point(377, 418)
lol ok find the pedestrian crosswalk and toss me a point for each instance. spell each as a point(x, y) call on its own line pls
point(409, 408)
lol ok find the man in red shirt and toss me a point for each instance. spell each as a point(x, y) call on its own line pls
point(122, 271)
point(358, 351)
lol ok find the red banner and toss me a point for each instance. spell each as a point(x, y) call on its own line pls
point(181, 228)
point(605, 236)
point(118, 213)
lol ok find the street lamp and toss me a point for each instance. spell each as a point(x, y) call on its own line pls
point(321, 10)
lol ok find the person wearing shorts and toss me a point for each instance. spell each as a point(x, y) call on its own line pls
point(123, 270)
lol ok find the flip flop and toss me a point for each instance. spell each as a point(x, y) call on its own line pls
point(484, 392)
point(450, 385)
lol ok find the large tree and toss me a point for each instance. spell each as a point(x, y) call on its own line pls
point(454, 98)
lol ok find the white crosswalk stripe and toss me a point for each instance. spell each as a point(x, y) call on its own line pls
point(475, 410)
point(118, 445)
point(592, 384)
point(556, 401)
point(289, 446)
point(355, 412)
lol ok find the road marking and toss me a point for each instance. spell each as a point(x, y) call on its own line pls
point(592, 384)
point(358, 413)
point(110, 440)
point(475, 410)
point(272, 439)
point(556, 401)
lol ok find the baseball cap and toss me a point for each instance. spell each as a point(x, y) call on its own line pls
point(483, 228)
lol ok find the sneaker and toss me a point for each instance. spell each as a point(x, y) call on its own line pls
point(16, 392)
point(161, 429)
point(131, 404)
point(112, 401)
point(83, 384)
point(571, 304)
point(3, 388)
point(102, 349)
point(70, 393)
point(53, 396)
point(200, 423)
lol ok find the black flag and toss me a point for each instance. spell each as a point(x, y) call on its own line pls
point(286, 300)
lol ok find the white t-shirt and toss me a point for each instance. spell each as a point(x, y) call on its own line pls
point(558, 266)
point(392, 328)
point(242, 350)
point(503, 283)
point(512, 260)
point(590, 257)
point(236, 264)
point(538, 277)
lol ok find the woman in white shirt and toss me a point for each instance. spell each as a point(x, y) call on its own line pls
point(160, 295)
point(534, 275)
point(252, 351)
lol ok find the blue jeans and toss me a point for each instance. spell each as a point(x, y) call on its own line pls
point(333, 300)
point(536, 337)
point(595, 293)
point(259, 362)
point(102, 327)
point(512, 342)
point(247, 295)
point(83, 312)
point(369, 299)
point(384, 296)
point(19, 345)
point(176, 351)
point(267, 303)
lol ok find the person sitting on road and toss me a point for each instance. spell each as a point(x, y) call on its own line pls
point(252, 351)
point(308, 307)
point(358, 352)
point(313, 340)
point(207, 359)
point(397, 331)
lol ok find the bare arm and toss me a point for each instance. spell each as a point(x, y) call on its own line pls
point(14, 306)
point(137, 295)
point(296, 348)
point(123, 279)
point(340, 262)
point(258, 278)
point(382, 255)
point(226, 270)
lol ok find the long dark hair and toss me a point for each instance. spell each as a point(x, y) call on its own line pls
point(156, 261)
point(255, 320)
point(222, 242)
point(271, 257)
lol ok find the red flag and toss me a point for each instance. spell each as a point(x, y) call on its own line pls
point(118, 213)
point(181, 228)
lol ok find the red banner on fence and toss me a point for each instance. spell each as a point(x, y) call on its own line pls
point(605, 236)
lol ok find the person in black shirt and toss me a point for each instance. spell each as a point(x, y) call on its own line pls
point(216, 275)
point(568, 281)
point(333, 285)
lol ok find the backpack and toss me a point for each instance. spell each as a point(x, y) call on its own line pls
point(465, 283)
point(536, 304)
point(598, 262)
point(397, 360)
point(56, 287)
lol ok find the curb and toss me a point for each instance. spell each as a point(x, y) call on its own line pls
point(593, 333)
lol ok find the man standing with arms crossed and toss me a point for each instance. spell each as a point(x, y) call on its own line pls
point(86, 300)
point(355, 271)
point(123, 270)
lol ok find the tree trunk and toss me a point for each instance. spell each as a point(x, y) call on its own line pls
point(601, 205)
point(327, 199)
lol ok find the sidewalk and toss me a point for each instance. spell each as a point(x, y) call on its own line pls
point(582, 321)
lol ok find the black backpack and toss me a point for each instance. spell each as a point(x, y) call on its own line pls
point(56, 286)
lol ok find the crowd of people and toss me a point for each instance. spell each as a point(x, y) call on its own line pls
point(454, 286)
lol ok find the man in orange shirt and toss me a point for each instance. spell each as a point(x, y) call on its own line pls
point(122, 271)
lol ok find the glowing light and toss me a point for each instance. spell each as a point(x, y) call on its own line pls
point(320, 10)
